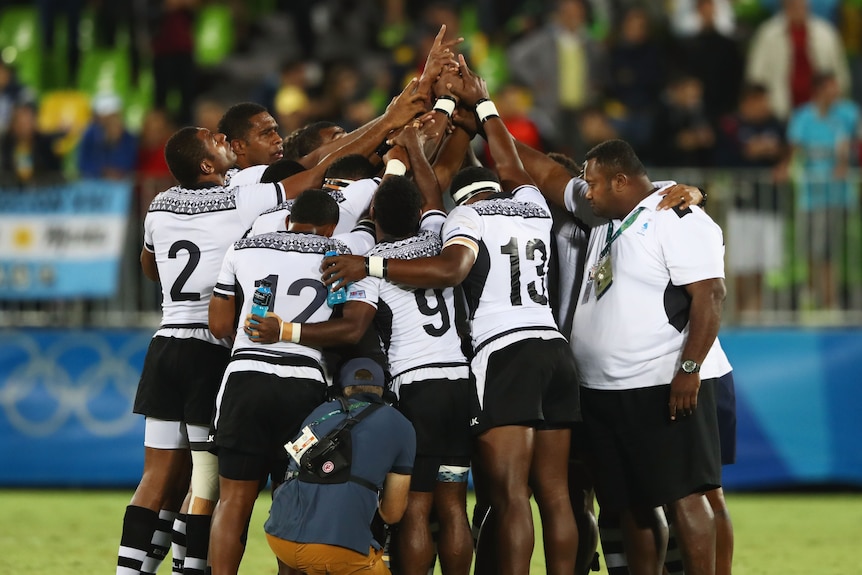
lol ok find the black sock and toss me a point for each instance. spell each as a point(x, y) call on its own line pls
point(139, 524)
point(198, 541)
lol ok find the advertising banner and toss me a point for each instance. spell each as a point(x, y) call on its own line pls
point(66, 401)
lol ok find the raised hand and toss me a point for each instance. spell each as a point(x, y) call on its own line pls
point(405, 106)
point(440, 56)
point(471, 88)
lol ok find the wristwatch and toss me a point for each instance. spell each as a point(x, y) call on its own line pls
point(690, 366)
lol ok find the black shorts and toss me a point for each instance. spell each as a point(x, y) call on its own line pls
point(439, 410)
point(725, 402)
point(259, 413)
point(529, 382)
point(180, 379)
point(642, 458)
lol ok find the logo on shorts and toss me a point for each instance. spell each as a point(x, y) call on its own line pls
point(357, 293)
point(474, 421)
point(327, 467)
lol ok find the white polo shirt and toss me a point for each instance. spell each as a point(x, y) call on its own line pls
point(634, 335)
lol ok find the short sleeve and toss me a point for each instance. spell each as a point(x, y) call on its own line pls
point(432, 221)
point(359, 240)
point(531, 194)
point(248, 176)
point(463, 227)
point(366, 290)
point(253, 200)
point(356, 198)
point(693, 246)
point(226, 283)
point(149, 243)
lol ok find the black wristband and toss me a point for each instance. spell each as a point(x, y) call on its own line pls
point(383, 148)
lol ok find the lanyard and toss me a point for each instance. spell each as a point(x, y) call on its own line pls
point(610, 238)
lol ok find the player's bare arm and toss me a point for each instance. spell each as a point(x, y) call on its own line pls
point(345, 330)
point(222, 311)
point(445, 270)
point(707, 299)
point(148, 264)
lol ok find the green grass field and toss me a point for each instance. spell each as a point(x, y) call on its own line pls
point(77, 532)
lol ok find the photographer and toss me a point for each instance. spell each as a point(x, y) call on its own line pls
point(320, 521)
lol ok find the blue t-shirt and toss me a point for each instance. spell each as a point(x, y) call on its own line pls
point(340, 514)
point(818, 137)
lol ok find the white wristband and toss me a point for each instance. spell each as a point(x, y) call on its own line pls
point(281, 330)
point(486, 109)
point(445, 105)
point(375, 267)
point(296, 328)
point(395, 168)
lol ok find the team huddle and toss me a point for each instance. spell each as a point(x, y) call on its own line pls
point(554, 332)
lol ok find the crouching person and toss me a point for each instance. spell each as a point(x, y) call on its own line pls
point(348, 449)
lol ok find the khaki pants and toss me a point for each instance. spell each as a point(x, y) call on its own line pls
point(320, 559)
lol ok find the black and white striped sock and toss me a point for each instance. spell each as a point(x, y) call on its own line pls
point(178, 544)
point(160, 543)
point(612, 548)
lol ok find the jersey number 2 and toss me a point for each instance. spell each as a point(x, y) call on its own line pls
point(177, 293)
point(295, 288)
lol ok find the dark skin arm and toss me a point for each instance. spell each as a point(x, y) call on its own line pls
point(445, 270)
point(508, 164)
point(345, 330)
point(148, 265)
point(707, 299)
point(222, 312)
point(402, 110)
point(552, 178)
point(409, 138)
point(451, 156)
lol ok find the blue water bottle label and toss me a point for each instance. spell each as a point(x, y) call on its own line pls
point(335, 297)
point(261, 299)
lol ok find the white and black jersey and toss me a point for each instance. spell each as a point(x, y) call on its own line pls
point(246, 176)
point(416, 325)
point(291, 263)
point(506, 289)
point(189, 230)
point(353, 202)
point(633, 335)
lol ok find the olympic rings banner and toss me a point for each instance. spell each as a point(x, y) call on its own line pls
point(66, 407)
point(63, 241)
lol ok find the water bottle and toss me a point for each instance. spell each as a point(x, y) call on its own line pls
point(261, 299)
point(335, 297)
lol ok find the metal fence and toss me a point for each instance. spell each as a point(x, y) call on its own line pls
point(793, 255)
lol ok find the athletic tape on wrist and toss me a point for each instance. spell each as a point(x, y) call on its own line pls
point(376, 266)
point(486, 109)
point(395, 168)
point(295, 330)
point(445, 104)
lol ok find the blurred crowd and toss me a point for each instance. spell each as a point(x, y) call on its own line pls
point(688, 82)
point(96, 87)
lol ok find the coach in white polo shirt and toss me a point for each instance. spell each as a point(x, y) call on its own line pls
point(649, 311)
